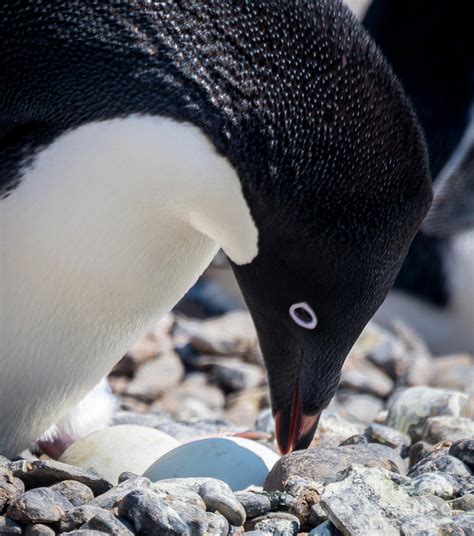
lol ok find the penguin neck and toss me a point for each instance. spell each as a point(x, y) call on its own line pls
point(109, 227)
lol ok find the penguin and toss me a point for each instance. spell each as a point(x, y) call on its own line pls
point(139, 137)
point(430, 50)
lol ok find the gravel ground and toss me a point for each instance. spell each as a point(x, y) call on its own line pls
point(394, 453)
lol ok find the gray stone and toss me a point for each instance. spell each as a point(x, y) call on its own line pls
point(435, 483)
point(453, 372)
point(265, 422)
point(44, 473)
point(359, 408)
point(369, 501)
point(84, 532)
point(465, 521)
point(464, 451)
point(107, 522)
point(464, 503)
point(255, 504)
point(442, 463)
point(219, 497)
point(357, 439)
point(75, 518)
point(418, 451)
point(156, 377)
point(179, 489)
point(427, 526)
point(276, 523)
point(408, 410)
point(40, 505)
point(332, 429)
point(322, 463)
point(38, 530)
point(367, 379)
point(325, 529)
point(234, 375)
point(302, 494)
point(75, 492)
point(439, 429)
point(111, 498)
point(150, 515)
point(317, 515)
point(217, 524)
point(194, 516)
point(10, 487)
point(385, 435)
point(8, 526)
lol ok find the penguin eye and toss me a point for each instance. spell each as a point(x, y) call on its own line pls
point(302, 315)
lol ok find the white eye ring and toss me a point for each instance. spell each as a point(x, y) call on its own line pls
point(306, 324)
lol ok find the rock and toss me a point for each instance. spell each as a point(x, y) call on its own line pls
point(217, 524)
point(418, 451)
point(156, 377)
point(184, 488)
point(234, 375)
point(149, 514)
point(453, 372)
point(243, 407)
point(76, 517)
point(317, 515)
point(325, 529)
point(8, 526)
point(385, 435)
point(106, 522)
point(75, 492)
point(276, 523)
point(465, 522)
point(229, 334)
point(464, 503)
point(304, 498)
point(238, 462)
point(464, 451)
point(112, 498)
point(255, 504)
point(358, 439)
point(38, 530)
point(367, 379)
point(358, 408)
point(442, 463)
point(85, 532)
point(332, 428)
point(408, 410)
point(439, 429)
point(218, 497)
point(435, 483)
point(111, 451)
point(321, 464)
point(39, 505)
point(369, 501)
point(36, 473)
point(265, 422)
point(425, 526)
point(10, 487)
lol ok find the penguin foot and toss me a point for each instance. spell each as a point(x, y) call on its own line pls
point(94, 411)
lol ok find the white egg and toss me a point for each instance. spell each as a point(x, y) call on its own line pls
point(116, 449)
point(237, 461)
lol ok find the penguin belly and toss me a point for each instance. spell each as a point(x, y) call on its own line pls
point(96, 245)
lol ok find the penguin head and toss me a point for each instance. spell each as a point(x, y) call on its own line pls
point(328, 153)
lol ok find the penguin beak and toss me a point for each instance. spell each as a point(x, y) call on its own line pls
point(293, 429)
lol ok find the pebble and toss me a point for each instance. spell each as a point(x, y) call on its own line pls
point(320, 464)
point(36, 473)
point(265, 422)
point(75, 492)
point(418, 451)
point(465, 522)
point(367, 378)
point(255, 504)
point(217, 524)
point(38, 530)
point(238, 462)
point(465, 503)
point(369, 501)
point(386, 435)
point(332, 428)
point(358, 408)
point(150, 515)
point(464, 451)
point(325, 529)
point(107, 522)
point(276, 523)
point(234, 375)
point(443, 463)
point(10, 487)
point(76, 517)
point(156, 377)
point(453, 372)
point(8, 526)
point(39, 505)
point(409, 409)
point(112, 498)
point(111, 451)
point(439, 429)
point(218, 496)
point(435, 483)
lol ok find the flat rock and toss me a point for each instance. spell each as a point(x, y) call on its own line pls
point(276, 523)
point(107, 522)
point(435, 483)
point(369, 501)
point(8, 526)
point(38, 530)
point(464, 451)
point(439, 429)
point(39, 505)
point(443, 463)
point(76, 517)
point(321, 464)
point(408, 410)
point(325, 529)
point(75, 492)
point(386, 435)
point(358, 407)
point(112, 498)
point(367, 378)
point(333, 428)
point(36, 473)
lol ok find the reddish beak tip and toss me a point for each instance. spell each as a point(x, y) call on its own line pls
point(293, 430)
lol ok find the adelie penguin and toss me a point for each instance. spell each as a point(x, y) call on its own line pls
point(139, 137)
